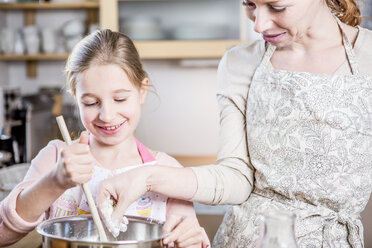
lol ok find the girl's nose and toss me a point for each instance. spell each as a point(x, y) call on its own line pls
point(107, 113)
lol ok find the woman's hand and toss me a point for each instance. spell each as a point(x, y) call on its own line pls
point(75, 164)
point(124, 189)
point(185, 232)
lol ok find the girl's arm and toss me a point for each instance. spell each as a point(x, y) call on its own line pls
point(12, 226)
point(49, 176)
point(73, 167)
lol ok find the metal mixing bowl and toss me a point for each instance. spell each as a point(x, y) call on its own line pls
point(81, 232)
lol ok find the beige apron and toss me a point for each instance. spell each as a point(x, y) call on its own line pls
point(310, 142)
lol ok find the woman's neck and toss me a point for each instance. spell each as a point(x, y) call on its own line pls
point(116, 156)
point(323, 33)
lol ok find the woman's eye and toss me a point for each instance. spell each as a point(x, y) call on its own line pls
point(249, 4)
point(120, 100)
point(277, 8)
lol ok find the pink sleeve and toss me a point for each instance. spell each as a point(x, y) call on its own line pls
point(12, 226)
point(175, 206)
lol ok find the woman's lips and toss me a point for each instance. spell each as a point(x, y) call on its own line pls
point(272, 38)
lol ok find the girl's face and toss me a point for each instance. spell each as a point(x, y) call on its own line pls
point(282, 22)
point(109, 104)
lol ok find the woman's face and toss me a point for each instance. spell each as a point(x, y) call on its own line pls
point(282, 22)
point(109, 104)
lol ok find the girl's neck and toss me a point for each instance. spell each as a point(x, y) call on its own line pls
point(116, 156)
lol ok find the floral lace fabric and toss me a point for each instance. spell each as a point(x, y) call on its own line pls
point(310, 142)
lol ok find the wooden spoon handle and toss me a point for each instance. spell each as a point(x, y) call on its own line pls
point(66, 136)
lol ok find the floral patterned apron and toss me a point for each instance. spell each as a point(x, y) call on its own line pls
point(310, 142)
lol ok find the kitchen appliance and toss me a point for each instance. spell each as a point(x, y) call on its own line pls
point(14, 120)
point(80, 232)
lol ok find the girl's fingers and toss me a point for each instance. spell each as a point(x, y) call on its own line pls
point(179, 227)
point(206, 241)
point(76, 148)
point(186, 232)
point(171, 223)
point(190, 236)
point(84, 138)
point(81, 178)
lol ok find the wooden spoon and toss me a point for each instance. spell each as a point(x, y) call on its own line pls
point(66, 136)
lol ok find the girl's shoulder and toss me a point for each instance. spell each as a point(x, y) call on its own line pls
point(164, 159)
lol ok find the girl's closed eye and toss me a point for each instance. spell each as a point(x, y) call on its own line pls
point(89, 104)
point(120, 99)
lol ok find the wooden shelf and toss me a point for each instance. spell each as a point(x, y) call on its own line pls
point(46, 5)
point(177, 49)
point(29, 57)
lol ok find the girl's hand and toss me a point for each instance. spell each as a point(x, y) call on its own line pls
point(185, 232)
point(75, 164)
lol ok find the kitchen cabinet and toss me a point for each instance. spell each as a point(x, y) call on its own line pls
point(173, 49)
point(107, 12)
point(29, 9)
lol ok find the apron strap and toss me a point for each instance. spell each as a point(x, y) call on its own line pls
point(349, 50)
point(267, 56)
point(145, 154)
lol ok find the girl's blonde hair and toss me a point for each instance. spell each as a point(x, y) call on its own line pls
point(104, 47)
point(347, 11)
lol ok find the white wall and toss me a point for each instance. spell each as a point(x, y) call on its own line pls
point(183, 118)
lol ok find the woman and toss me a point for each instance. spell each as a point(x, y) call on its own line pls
point(295, 129)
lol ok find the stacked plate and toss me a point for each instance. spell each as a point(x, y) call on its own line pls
point(142, 28)
point(199, 32)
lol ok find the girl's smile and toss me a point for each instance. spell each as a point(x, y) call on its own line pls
point(109, 103)
point(110, 130)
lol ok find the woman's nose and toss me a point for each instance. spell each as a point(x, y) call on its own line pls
point(107, 113)
point(261, 21)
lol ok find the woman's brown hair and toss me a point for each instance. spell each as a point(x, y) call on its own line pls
point(104, 47)
point(347, 11)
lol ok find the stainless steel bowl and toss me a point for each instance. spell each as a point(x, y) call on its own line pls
point(80, 232)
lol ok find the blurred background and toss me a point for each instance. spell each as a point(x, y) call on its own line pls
point(180, 42)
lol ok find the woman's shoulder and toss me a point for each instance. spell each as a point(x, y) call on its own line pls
point(251, 52)
point(237, 67)
point(363, 50)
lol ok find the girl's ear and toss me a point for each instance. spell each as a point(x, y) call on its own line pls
point(144, 89)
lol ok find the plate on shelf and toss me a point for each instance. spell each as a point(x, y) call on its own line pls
point(200, 32)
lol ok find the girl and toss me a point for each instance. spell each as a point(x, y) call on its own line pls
point(106, 79)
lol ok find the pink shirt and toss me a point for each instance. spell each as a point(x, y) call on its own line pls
point(73, 202)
